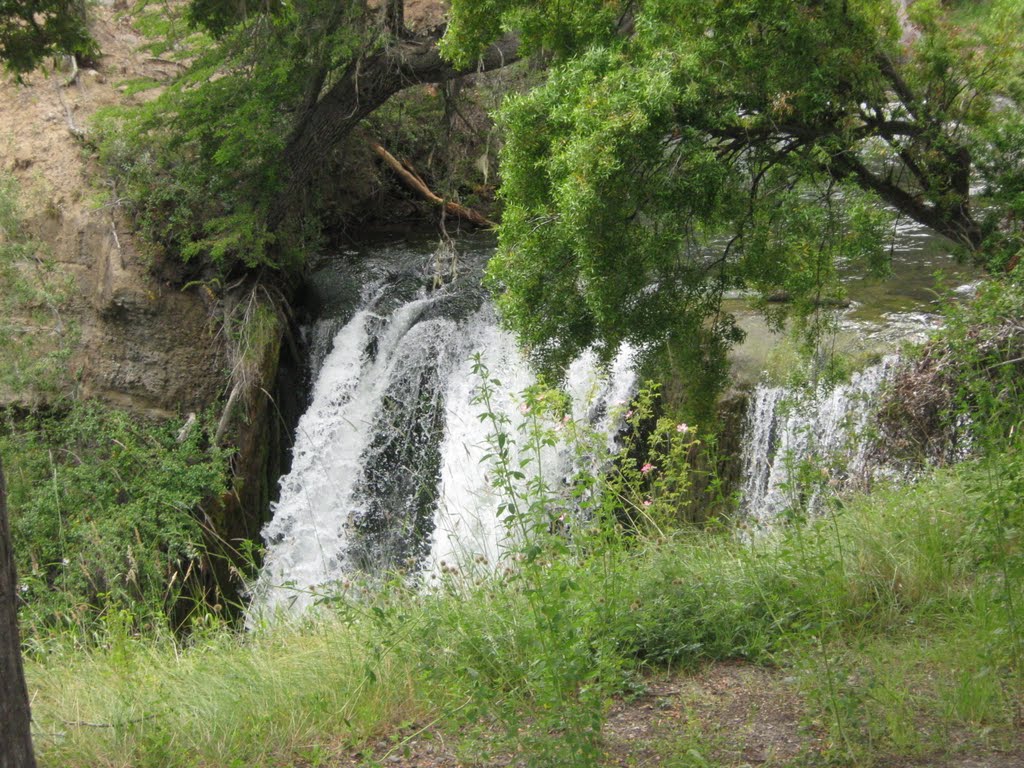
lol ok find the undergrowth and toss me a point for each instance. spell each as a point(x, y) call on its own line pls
point(891, 610)
point(106, 518)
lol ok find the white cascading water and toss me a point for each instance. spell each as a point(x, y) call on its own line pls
point(387, 466)
point(785, 427)
point(467, 531)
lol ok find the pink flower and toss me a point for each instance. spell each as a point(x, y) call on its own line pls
point(647, 502)
point(524, 408)
point(682, 427)
point(629, 414)
point(648, 467)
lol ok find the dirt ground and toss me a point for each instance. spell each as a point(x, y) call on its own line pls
point(727, 715)
point(142, 344)
point(739, 715)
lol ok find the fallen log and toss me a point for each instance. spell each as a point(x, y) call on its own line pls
point(417, 185)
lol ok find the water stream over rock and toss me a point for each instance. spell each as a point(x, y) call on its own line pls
point(819, 430)
point(388, 469)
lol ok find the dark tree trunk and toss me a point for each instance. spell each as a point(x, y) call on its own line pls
point(953, 220)
point(394, 17)
point(15, 732)
point(363, 87)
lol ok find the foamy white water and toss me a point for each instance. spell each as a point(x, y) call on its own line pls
point(785, 427)
point(388, 466)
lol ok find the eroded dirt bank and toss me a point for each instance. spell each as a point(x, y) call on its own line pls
point(143, 343)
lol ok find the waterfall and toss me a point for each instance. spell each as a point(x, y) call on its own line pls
point(798, 442)
point(387, 470)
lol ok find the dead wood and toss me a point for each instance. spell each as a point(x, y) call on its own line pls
point(417, 185)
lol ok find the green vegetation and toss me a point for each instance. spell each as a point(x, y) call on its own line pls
point(32, 30)
point(679, 150)
point(198, 165)
point(889, 614)
point(235, 165)
point(106, 519)
point(105, 507)
point(202, 165)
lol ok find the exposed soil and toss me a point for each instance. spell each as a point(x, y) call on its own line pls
point(731, 715)
point(425, 14)
point(739, 715)
point(143, 343)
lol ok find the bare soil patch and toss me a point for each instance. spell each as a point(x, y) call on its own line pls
point(143, 344)
point(728, 715)
point(735, 713)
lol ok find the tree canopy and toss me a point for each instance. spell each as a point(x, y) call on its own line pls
point(676, 150)
point(222, 167)
point(680, 149)
point(31, 30)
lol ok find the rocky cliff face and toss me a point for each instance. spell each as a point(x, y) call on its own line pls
point(143, 343)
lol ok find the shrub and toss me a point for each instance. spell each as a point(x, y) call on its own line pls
point(105, 515)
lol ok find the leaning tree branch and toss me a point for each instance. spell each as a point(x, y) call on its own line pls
point(899, 85)
point(417, 184)
point(954, 222)
point(365, 85)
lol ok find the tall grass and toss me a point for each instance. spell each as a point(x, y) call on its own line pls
point(887, 571)
point(226, 700)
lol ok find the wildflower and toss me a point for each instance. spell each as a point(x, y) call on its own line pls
point(524, 408)
point(648, 467)
point(647, 502)
point(629, 414)
point(684, 427)
point(65, 561)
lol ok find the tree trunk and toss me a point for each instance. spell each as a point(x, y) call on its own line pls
point(367, 83)
point(15, 730)
point(394, 17)
point(953, 220)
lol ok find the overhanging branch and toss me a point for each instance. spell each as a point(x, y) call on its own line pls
point(365, 85)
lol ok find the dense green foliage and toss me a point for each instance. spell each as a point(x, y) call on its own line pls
point(106, 517)
point(200, 167)
point(888, 614)
point(683, 149)
point(32, 30)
